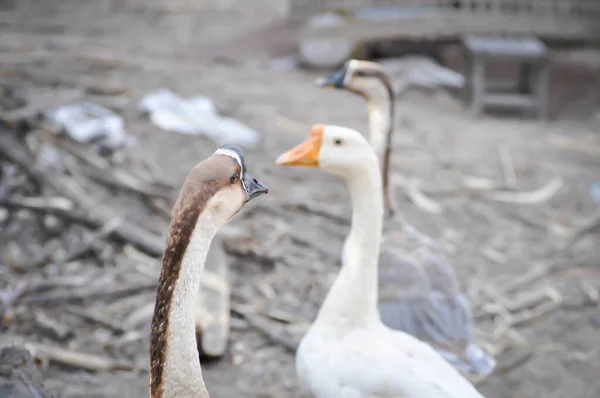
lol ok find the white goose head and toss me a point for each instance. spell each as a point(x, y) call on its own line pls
point(334, 149)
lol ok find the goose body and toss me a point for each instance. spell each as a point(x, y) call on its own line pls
point(419, 292)
point(390, 365)
point(214, 191)
point(348, 352)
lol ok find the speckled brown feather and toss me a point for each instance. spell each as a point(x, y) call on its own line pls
point(200, 185)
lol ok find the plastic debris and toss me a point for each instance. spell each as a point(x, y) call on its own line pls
point(86, 122)
point(195, 116)
point(49, 157)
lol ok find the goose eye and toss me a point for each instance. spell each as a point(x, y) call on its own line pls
point(360, 73)
point(338, 141)
point(233, 179)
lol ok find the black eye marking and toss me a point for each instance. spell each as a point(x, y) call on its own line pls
point(360, 73)
point(233, 179)
point(338, 141)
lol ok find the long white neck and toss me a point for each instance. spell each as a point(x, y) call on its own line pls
point(352, 300)
point(182, 376)
point(381, 114)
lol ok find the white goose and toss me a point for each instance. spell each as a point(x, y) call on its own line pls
point(419, 292)
point(348, 352)
point(214, 191)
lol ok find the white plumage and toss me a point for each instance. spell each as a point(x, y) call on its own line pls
point(348, 352)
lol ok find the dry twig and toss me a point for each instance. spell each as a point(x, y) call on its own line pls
point(81, 294)
point(508, 168)
point(35, 107)
point(89, 314)
point(587, 227)
point(258, 323)
point(69, 357)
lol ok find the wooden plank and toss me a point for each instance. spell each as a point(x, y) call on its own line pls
point(453, 25)
point(213, 306)
point(301, 10)
point(520, 48)
point(509, 101)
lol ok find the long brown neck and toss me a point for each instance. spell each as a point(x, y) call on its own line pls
point(174, 361)
point(381, 126)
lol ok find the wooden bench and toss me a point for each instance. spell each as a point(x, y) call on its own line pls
point(530, 93)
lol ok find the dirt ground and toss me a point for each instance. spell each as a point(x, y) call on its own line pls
point(201, 48)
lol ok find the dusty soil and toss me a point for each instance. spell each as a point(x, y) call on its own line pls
point(147, 45)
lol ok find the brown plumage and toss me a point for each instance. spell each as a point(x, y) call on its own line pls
point(371, 69)
point(368, 70)
point(201, 184)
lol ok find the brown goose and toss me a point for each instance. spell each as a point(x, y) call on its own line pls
point(214, 191)
point(419, 293)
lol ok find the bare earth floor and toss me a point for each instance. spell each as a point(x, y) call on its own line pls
point(146, 45)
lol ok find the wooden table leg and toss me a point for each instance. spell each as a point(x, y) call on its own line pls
point(541, 87)
point(477, 85)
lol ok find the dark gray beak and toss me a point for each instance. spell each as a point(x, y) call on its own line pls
point(253, 187)
point(334, 79)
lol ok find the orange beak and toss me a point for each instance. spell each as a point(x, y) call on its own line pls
point(305, 154)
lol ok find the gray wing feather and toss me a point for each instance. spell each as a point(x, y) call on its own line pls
point(420, 295)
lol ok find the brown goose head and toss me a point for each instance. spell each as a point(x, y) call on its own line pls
point(370, 81)
point(219, 185)
point(365, 78)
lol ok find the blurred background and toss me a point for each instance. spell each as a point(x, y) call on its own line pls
point(107, 104)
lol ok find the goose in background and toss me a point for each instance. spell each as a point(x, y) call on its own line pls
point(419, 291)
point(348, 351)
point(213, 192)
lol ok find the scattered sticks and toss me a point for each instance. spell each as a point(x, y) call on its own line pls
point(96, 318)
point(261, 325)
point(97, 214)
point(592, 224)
point(54, 297)
point(513, 303)
point(68, 357)
point(102, 172)
point(32, 109)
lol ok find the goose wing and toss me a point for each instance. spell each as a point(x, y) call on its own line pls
point(420, 295)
